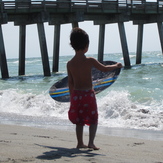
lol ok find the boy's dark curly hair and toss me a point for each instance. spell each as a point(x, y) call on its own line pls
point(79, 39)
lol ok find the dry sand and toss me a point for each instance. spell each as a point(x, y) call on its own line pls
point(26, 144)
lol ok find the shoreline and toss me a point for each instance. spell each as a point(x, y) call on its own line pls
point(31, 144)
point(156, 135)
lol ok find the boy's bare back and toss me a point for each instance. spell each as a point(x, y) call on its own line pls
point(79, 69)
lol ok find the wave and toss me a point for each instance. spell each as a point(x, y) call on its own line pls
point(116, 109)
point(28, 61)
point(17, 102)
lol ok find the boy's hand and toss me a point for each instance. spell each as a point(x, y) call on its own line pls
point(119, 65)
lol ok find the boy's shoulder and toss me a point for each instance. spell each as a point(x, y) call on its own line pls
point(70, 62)
point(91, 59)
point(73, 60)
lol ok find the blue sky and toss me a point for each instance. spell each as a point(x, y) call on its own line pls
point(151, 40)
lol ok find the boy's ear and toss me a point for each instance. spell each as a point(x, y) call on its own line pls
point(86, 49)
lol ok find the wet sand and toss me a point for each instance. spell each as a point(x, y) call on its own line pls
point(28, 144)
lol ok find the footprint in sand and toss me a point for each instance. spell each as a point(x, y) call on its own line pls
point(135, 144)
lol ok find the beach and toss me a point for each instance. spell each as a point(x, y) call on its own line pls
point(30, 144)
point(35, 128)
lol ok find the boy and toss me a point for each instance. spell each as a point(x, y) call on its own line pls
point(83, 107)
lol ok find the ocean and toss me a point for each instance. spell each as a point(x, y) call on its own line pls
point(134, 102)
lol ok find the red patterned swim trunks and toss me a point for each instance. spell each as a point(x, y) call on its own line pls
point(83, 108)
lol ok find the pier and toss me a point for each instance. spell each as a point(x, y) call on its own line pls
point(58, 12)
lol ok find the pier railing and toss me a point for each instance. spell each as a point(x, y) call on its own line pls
point(106, 6)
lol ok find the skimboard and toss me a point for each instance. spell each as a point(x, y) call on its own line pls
point(59, 91)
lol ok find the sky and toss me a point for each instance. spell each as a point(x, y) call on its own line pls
point(151, 40)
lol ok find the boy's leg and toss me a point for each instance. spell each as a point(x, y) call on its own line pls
point(92, 134)
point(79, 135)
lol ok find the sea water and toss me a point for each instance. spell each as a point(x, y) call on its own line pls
point(134, 101)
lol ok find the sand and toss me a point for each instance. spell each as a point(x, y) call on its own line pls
point(28, 144)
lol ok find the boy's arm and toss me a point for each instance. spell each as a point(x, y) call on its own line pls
point(70, 80)
point(104, 68)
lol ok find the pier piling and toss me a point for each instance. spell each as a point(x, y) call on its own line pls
point(101, 42)
point(75, 24)
point(160, 30)
point(44, 51)
point(56, 48)
point(139, 43)
point(22, 48)
point(3, 60)
point(25, 12)
point(124, 44)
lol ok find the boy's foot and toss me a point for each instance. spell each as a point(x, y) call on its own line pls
point(93, 147)
point(82, 146)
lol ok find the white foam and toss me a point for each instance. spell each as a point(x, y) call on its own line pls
point(13, 101)
point(116, 109)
